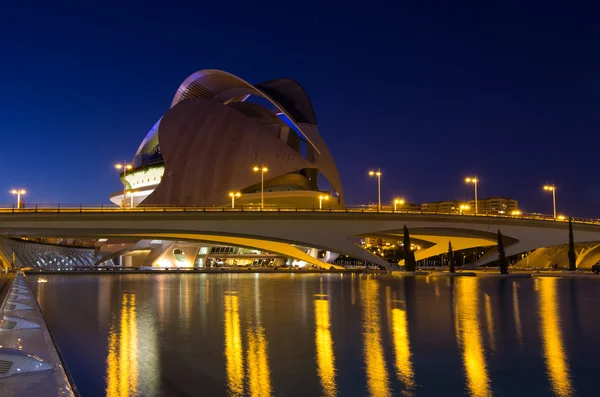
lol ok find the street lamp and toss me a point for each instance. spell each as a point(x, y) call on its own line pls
point(18, 192)
point(233, 195)
point(262, 170)
point(552, 188)
point(396, 202)
point(124, 166)
point(464, 207)
point(378, 175)
point(474, 181)
point(321, 198)
point(516, 213)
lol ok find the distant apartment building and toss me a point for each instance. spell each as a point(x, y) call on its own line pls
point(495, 205)
point(442, 207)
point(492, 205)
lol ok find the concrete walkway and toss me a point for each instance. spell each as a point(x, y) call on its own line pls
point(20, 309)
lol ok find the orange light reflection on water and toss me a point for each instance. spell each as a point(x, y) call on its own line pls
point(233, 346)
point(122, 358)
point(469, 336)
point(404, 370)
point(557, 366)
point(376, 371)
point(324, 348)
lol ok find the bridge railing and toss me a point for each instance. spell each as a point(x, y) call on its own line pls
point(44, 208)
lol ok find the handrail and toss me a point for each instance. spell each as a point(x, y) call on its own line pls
point(80, 208)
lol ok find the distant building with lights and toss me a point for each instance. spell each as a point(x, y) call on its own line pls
point(496, 205)
point(492, 205)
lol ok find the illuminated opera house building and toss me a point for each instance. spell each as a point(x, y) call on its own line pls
point(223, 136)
point(218, 128)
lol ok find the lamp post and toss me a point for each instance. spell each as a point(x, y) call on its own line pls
point(321, 198)
point(18, 192)
point(233, 195)
point(124, 166)
point(474, 181)
point(552, 188)
point(464, 207)
point(396, 202)
point(262, 170)
point(378, 175)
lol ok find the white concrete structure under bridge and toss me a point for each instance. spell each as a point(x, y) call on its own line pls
point(169, 254)
point(289, 233)
point(21, 253)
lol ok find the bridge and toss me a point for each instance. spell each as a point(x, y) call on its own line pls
point(288, 230)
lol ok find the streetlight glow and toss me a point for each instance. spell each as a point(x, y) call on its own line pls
point(321, 198)
point(18, 193)
point(473, 180)
point(516, 213)
point(552, 188)
point(378, 175)
point(262, 170)
point(233, 195)
point(124, 166)
point(396, 202)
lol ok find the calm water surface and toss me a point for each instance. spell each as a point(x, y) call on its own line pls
point(324, 335)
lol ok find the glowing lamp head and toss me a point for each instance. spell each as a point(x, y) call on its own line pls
point(235, 194)
point(376, 173)
point(561, 217)
point(516, 213)
point(324, 197)
point(399, 201)
point(464, 207)
point(549, 188)
point(471, 180)
point(125, 166)
point(18, 191)
point(257, 168)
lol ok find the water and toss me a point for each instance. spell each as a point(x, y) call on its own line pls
point(324, 335)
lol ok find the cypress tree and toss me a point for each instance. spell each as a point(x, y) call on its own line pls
point(450, 258)
point(502, 255)
point(410, 265)
point(572, 257)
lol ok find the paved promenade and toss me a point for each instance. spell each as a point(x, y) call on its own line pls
point(19, 304)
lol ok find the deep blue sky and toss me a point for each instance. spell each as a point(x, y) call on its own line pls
point(430, 92)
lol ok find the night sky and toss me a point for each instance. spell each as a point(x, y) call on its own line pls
point(430, 92)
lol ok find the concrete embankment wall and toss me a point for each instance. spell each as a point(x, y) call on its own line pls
point(27, 347)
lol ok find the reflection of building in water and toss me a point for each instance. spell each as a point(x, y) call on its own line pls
point(233, 346)
point(376, 371)
point(468, 333)
point(324, 347)
point(551, 333)
point(257, 371)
